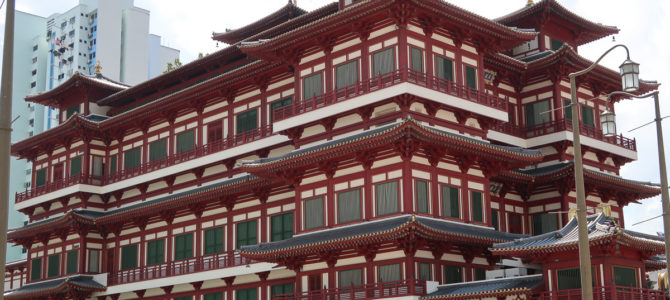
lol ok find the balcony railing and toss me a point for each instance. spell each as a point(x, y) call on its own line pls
point(604, 293)
point(564, 125)
point(176, 268)
point(366, 291)
point(196, 152)
point(387, 80)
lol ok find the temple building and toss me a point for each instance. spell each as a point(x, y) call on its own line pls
point(367, 149)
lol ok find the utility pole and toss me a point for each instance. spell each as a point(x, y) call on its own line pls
point(5, 131)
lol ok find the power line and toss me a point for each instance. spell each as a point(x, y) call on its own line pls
point(2, 4)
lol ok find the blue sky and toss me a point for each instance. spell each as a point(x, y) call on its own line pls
point(644, 25)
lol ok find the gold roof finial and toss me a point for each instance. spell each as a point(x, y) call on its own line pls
point(98, 68)
point(530, 2)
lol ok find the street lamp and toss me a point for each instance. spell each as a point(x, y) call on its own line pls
point(629, 80)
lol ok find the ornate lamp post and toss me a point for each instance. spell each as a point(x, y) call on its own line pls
point(629, 79)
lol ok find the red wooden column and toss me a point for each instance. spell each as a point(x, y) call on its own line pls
point(263, 276)
point(142, 224)
point(263, 86)
point(229, 287)
point(403, 60)
point(327, 49)
point(329, 168)
point(83, 231)
point(366, 158)
point(262, 194)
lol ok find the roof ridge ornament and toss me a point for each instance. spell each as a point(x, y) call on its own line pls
point(98, 69)
point(530, 2)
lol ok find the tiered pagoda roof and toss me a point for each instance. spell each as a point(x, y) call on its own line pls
point(602, 230)
point(499, 287)
point(94, 87)
point(74, 287)
point(281, 16)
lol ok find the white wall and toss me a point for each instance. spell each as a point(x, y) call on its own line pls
point(134, 46)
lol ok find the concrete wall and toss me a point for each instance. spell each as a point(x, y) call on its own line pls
point(134, 47)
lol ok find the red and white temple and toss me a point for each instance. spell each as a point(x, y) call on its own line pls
point(367, 149)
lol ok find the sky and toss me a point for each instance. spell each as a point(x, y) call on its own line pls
point(644, 25)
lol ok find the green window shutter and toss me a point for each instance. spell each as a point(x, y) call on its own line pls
point(184, 298)
point(494, 219)
point(214, 296)
point(424, 272)
point(480, 274)
point(155, 252)
point(351, 277)
point(587, 116)
point(246, 233)
point(567, 109)
point(75, 166)
point(185, 141)
point(281, 289)
point(35, 269)
point(112, 164)
point(445, 68)
point(556, 44)
point(314, 213)
point(537, 113)
point(72, 260)
point(387, 198)
point(568, 279)
point(281, 227)
point(132, 158)
point(471, 77)
point(453, 274)
point(157, 150)
point(387, 273)
point(247, 121)
point(383, 62)
point(53, 265)
point(477, 207)
point(543, 223)
point(417, 59)
point(422, 196)
point(312, 86)
point(246, 294)
point(183, 246)
point(214, 240)
point(450, 202)
point(41, 177)
point(349, 206)
point(129, 257)
point(71, 111)
point(346, 74)
point(279, 104)
point(624, 276)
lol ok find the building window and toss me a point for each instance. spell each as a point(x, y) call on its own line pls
point(131, 158)
point(537, 113)
point(246, 294)
point(214, 240)
point(72, 258)
point(515, 225)
point(389, 273)
point(246, 233)
point(450, 202)
point(278, 104)
point(33, 72)
point(33, 84)
point(40, 177)
point(93, 261)
point(346, 74)
point(247, 121)
point(556, 44)
point(453, 274)
point(445, 68)
point(214, 132)
point(417, 59)
point(422, 196)
point(129, 257)
point(387, 198)
point(351, 278)
point(36, 269)
point(183, 246)
point(155, 252)
point(213, 296)
point(157, 150)
point(480, 274)
point(567, 109)
point(494, 219)
point(568, 279)
point(424, 272)
point(477, 206)
point(543, 223)
point(281, 289)
point(185, 141)
point(112, 164)
point(383, 62)
point(72, 110)
point(281, 227)
point(587, 116)
point(624, 276)
point(349, 206)
point(53, 268)
point(34, 47)
point(313, 213)
point(312, 86)
point(97, 166)
point(187, 298)
point(471, 77)
point(75, 166)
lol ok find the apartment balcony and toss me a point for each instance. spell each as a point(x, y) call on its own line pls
point(386, 86)
point(604, 293)
point(148, 167)
point(176, 268)
point(561, 130)
point(367, 291)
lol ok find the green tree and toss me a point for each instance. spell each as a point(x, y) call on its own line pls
point(172, 65)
